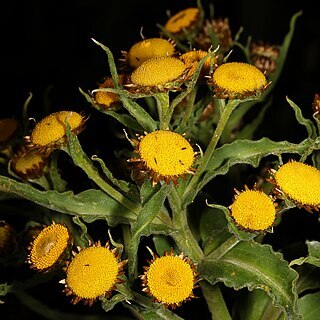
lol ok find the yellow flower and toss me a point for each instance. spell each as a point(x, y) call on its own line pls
point(28, 163)
point(238, 80)
point(300, 183)
point(147, 49)
point(165, 155)
point(184, 21)
point(109, 100)
point(170, 279)
point(48, 247)
point(253, 210)
point(50, 132)
point(92, 273)
point(192, 58)
point(158, 74)
point(7, 239)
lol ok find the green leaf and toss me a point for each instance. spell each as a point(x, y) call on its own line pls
point(147, 214)
point(160, 314)
point(255, 266)
point(256, 305)
point(309, 277)
point(307, 123)
point(144, 119)
point(91, 204)
point(58, 183)
point(240, 234)
point(309, 306)
point(80, 159)
point(125, 119)
point(313, 257)
point(162, 244)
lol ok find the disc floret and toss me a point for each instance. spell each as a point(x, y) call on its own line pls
point(299, 182)
point(170, 279)
point(165, 155)
point(253, 210)
point(92, 273)
point(48, 247)
point(238, 80)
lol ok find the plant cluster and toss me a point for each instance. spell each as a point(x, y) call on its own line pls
point(182, 99)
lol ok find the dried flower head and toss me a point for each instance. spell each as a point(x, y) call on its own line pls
point(183, 22)
point(7, 239)
point(238, 80)
point(92, 273)
point(165, 155)
point(109, 100)
point(316, 105)
point(265, 57)
point(170, 279)
point(49, 246)
point(221, 29)
point(28, 163)
point(192, 58)
point(50, 132)
point(253, 210)
point(147, 49)
point(8, 127)
point(299, 182)
point(158, 74)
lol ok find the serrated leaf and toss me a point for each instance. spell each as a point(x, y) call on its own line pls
point(240, 234)
point(147, 214)
point(133, 108)
point(309, 306)
point(313, 257)
point(255, 266)
point(307, 123)
point(91, 204)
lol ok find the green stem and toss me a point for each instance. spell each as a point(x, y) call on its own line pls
point(215, 301)
point(223, 249)
point(163, 109)
point(182, 235)
point(188, 109)
point(231, 105)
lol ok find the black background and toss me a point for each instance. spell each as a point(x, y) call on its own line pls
point(47, 51)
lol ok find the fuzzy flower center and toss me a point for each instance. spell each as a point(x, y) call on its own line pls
point(48, 246)
point(157, 71)
point(170, 279)
point(254, 210)
point(52, 128)
point(238, 77)
point(92, 272)
point(147, 49)
point(182, 20)
point(301, 182)
point(166, 153)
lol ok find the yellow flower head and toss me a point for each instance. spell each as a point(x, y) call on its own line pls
point(8, 127)
point(50, 132)
point(253, 210)
point(93, 273)
point(109, 100)
point(7, 239)
point(160, 74)
point(170, 279)
point(48, 247)
point(183, 21)
point(28, 163)
point(300, 183)
point(166, 155)
point(191, 59)
point(147, 49)
point(238, 80)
